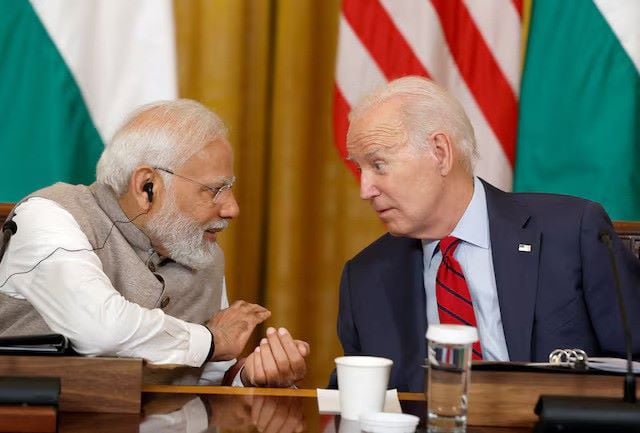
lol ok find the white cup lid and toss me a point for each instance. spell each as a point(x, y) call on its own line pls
point(388, 422)
point(452, 334)
point(363, 361)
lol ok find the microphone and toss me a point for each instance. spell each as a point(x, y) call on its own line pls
point(629, 379)
point(596, 414)
point(9, 228)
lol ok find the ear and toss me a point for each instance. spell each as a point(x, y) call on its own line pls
point(141, 176)
point(443, 151)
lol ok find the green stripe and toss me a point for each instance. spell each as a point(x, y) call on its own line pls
point(579, 128)
point(46, 132)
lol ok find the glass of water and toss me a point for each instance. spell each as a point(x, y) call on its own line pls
point(449, 370)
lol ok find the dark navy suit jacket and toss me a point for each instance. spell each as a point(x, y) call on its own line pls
point(559, 295)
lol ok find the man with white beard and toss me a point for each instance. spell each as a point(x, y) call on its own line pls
point(129, 266)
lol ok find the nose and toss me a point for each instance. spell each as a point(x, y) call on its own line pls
point(368, 190)
point(229, 206)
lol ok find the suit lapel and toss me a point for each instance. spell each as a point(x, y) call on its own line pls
point(515, 245)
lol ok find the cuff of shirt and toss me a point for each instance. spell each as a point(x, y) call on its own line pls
point(232, 376)
point(200, 339)
point(237, 381)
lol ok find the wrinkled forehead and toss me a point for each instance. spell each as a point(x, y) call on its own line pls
point(378, 128)
point(214, 160)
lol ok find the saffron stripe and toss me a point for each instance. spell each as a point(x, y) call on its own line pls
point(381, 37)
point(480, 71)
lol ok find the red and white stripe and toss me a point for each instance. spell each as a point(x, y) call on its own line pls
point(471, 47)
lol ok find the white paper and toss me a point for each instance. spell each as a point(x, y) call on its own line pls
point(617, 365)
point(329, 401)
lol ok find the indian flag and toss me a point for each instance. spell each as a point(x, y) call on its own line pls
point(579, 129)
point(71, 69)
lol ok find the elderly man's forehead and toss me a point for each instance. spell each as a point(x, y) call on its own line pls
point(384, 130)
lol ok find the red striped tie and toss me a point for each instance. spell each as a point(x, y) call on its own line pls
point(452, 292)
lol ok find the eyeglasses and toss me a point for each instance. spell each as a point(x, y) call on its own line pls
point(216, 192)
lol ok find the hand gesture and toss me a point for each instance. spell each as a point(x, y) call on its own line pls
point(277, 414)
point(277, 362)
point(232, 327)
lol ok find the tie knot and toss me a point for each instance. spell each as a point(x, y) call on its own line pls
point(448, 246)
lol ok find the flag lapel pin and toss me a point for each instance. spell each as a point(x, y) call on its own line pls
point(525, 248)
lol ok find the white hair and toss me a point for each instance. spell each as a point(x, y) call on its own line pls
point(426, 108)
point(163, 134)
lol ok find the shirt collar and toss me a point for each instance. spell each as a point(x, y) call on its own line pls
point(473, 227)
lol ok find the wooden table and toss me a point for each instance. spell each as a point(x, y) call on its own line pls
point(501, 400)
point(168, 408)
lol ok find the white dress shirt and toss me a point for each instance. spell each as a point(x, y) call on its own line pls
point(190, 418)
point(474, 255)
point(75, 298)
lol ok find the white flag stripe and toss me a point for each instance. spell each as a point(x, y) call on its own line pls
point(499, 23)
point(357, 73)
point(420, 26)
point(121, 53)
point(624, 18)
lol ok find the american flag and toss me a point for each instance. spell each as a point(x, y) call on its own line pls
point(471, 47)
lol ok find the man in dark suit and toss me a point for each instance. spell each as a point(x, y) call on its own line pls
point(530, 269)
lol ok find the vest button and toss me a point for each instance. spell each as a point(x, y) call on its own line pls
point(165, 301)
point(152, 267)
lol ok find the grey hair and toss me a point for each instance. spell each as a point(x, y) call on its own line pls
point(426, 108)
point(164, 134)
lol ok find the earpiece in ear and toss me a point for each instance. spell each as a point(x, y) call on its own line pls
point(148, 188)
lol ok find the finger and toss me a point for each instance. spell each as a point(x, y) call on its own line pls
point(260, 378)
point(256, 409)
point(266, 413)
point(255, 317)
point(276, 339)
point(297, 365)
point(292, 422)
point(299, 416)
point(255, 311)
point(269, 364)
point(251, 308)
point(279, 417)
point(303, 347)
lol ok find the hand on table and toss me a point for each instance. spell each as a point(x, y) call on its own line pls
point(277, 414)
point(232, 327)
point(279, 361)
point(269, 414)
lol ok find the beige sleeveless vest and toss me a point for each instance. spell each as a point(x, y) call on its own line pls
point(128, 259)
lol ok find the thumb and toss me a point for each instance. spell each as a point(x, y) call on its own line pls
point(303, 347)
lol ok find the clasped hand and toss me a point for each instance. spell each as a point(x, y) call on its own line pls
point(279, 361)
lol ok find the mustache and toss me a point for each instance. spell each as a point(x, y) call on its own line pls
point(220, 224)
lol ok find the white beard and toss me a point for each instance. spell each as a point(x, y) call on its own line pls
point(182, 236)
